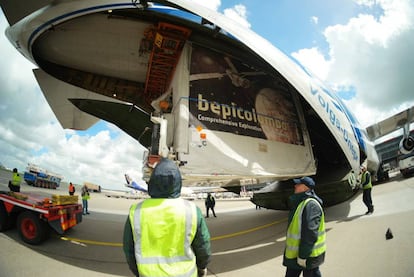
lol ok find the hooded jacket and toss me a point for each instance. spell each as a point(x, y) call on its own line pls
point(165, 182)
point(310, 223)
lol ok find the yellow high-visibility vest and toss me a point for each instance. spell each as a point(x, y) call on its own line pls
point(163, 230)
point(363, 179)
point(16, 179)
point(293, 236)
point(85, 195)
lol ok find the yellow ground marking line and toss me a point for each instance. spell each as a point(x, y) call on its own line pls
point(248, 230)
point(93, 242)
point(119, 244)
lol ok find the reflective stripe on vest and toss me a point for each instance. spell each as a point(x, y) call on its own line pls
point(294, 232)
point(363, 179)
point(16, 179)
point(160, 249)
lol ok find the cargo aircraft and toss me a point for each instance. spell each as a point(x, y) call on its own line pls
point(193, 86)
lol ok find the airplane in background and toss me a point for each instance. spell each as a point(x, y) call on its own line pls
point(193, 86)
point(140, 185)
point(186, 192)
point(400, 121)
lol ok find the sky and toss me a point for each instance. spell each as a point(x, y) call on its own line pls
point(361, 48)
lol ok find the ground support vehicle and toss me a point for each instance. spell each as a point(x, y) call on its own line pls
point(35, 215)
point(383, 172)
point(39, 177)
point(92, 187)
point(406, 164)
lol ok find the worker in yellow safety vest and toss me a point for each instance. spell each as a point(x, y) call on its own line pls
point(366, 185)
point(166, 235)
point(14, 184)
point(85, 198)
point(305, 239)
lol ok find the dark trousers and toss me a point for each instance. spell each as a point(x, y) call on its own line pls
point(13, 187)
point(293, 272)
point(366, 198)
point(212, 209)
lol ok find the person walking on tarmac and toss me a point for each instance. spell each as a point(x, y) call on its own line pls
point(71, 189)
point(14, 184)
point(305, 239)
point(166, 235)
point(210, 202)
point(366, 189)
point(85, 198)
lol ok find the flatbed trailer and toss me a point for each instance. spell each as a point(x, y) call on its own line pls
point(35, 216)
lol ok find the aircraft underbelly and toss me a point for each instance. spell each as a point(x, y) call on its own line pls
point(98, 44)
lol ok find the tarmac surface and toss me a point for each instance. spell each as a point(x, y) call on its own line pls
point(245, 241)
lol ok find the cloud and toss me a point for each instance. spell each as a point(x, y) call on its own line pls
point(311, 57)
point(97, 158)
point(239, 14)
point(373, 55)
